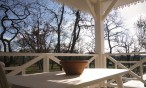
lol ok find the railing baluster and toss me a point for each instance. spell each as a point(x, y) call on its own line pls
point(116, 65)
point(46, 64)
point(141, 71)
point(96, 61)
point(23, 72)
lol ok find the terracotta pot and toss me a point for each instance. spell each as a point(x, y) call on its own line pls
point(74, 67)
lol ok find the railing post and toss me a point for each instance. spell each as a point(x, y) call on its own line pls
point(23, 72)
point(116, 65)
point(88, 66)
point(46, 64)
point(141, 70)
point(96, 61)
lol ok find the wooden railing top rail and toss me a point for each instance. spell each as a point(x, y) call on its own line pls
point(51, 54)
point(126, 53)
point(64, 54)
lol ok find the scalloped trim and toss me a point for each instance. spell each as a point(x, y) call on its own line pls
point(133, 3)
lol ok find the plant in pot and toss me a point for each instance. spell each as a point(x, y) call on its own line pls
point(73, 65)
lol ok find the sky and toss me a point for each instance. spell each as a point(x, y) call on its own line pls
point(132, 13)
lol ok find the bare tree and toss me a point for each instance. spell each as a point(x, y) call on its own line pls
point(80, 29)
point(113, 27)
point(59, 21)
point(75, 33)
point(126, 43)
point(12, 21)
point(36, 39)
point(141, 31)
point(56, 20)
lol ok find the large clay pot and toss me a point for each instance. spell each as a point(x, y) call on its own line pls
point(74, 67)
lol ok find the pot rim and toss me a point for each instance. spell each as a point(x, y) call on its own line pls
point(74, 61)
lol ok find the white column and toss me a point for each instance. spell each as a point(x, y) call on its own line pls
point(99, 35)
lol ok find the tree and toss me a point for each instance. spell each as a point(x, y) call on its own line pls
point(59, 21)
point(127, 44)
point(11, 23)
point(141, 31)
point(75, 33)
point(56, 20)
point(113, 27)
point(36, 39)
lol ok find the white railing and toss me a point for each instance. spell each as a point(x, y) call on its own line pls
point(41, 56)
point(53, 56)
point(136, 64)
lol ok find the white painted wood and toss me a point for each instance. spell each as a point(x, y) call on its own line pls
point(119, 64)
point(24, 66)
point(82, 5)
point(110, 82)
point(110, 7)
point(11, 68)
point(95, 56)
point(131, 68)
point(119, 82)
point(127, 61)
point(96, 61)
point(99, 34)
point(116, 66)
point(68, 54)
point(46, 64)
point(90, 60)
point(50, 54)
point(91, 8)
point(23, 72)
point(54, 59)
point(141, 70)
point(136, 65)
point(60, 80)
point(135, 83)
point(20, 54)
point(133, 53)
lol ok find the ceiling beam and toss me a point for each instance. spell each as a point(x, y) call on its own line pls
point(109, 8)
point(92, 10)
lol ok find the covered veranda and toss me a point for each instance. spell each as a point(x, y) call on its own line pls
point(99, 10)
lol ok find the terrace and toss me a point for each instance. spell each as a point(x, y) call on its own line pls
point(99, 10)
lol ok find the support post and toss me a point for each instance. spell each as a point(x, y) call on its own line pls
point(99, 35)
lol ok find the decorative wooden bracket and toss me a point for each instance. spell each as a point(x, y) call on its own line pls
point(109, 8)
point(92, 10)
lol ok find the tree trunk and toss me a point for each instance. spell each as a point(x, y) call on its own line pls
point(75, 31)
